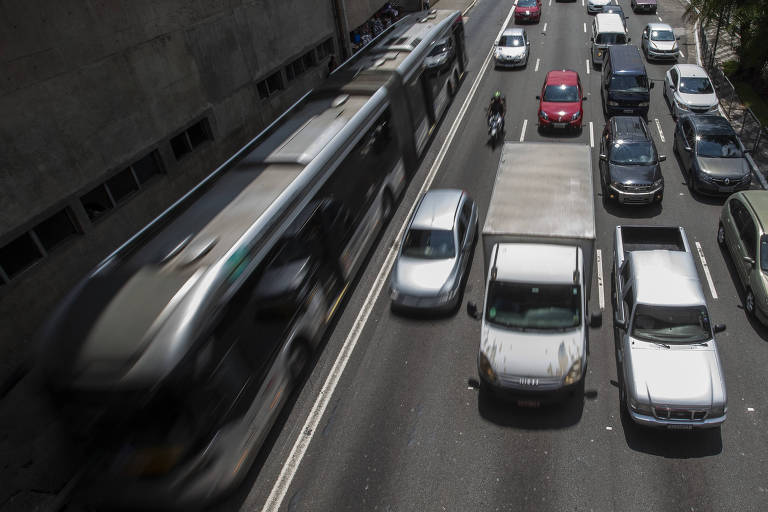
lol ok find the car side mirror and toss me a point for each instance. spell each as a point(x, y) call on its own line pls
point(596, 319)
point(718, 328)
point(747, 151)
point(678, 38)
point(749, 259)
point(603, 156)
point(538, 97)
point(651, 86)
point(592, 39)
point(626, 17)
point(472, 310)
point(584, 98)
point(527, 43)
point(662, 158)
point(629, 40)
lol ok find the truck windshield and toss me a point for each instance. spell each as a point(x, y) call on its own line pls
point(429, 244)
point(671, 324)
point(526, 306)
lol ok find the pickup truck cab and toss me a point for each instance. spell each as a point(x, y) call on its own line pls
point(670, 371)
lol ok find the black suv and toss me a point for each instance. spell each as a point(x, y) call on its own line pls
point(711, 155)
point(629, 164)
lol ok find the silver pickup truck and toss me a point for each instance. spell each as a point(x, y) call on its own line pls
point(670, 372)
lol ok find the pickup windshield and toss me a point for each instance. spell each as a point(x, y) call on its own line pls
point(671, 324)
point(526, 306)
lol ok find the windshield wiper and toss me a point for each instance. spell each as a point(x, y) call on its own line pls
point(660, 344)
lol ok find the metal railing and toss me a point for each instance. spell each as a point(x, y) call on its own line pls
point(743, 120)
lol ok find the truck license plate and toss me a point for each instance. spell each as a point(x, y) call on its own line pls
point(680, 427)
point(528, 403)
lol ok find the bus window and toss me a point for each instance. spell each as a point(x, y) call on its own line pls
point(422, 115)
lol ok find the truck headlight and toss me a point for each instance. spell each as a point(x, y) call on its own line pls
point(612, 103)
point(640, 407)
point(574, 373)
point(642, 104)
point(717, 411)
point(485, 369)
point(659, 182)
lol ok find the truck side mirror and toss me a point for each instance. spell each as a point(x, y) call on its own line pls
point(592, 39)
point(719, 328)
point(472, 310)
point(596, 319)
point(662, 158)
point(651, 86)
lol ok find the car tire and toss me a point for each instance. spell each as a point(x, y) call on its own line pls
point(720, 234)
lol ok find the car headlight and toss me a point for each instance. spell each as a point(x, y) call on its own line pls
point(485, 369)
point(575, 116)
point(706, 177)
point(617, 185)
point(747, 178)
point(642, 104)
point(714, 108)
point(543, 114)
point(640, 407)
point(659, 182)
point(574, 373)
point(613, 103)
point(718, 410)
point(682, 106)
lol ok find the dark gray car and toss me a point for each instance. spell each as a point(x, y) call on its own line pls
point(711, 155)
point(435, 252)
point(629, 164)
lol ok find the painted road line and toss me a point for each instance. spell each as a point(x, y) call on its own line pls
point(660, 18)
point(587, 66)
point(550, 2)
point(306, 433)
point(585, 27)
point(706, 270)
point(582, 3)
point(522, 133)
point(545, 28)
point(658, 127)
point(682, 54)
point(537, 66)
point(591, 136)
point(600, 287)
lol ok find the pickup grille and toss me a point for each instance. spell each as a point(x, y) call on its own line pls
point(667, 413)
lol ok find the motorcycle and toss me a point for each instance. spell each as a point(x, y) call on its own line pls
point(494, 128)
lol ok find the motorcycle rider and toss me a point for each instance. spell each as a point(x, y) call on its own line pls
point(498, 105)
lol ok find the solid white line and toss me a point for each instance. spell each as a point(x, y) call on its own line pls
point(591, 136)
point(706, 270)
point(545, 28)
point(306, 433)
point(600, 297)
point(658, 127)
point(585, 28)
point(522, 134)
point(587, 66)
point(537, 65)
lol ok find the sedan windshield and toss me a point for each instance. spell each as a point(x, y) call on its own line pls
point(671, 324)
point(698, 85)
point(629, 83)
point(526, 3)
point(561, 93)
point(511, 41)
point(526, 306)
point(633, 153)
point(429, 244)
point(608, 38)
point(662, 35)
point(718, 146)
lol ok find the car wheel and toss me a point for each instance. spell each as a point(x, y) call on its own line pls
point(749, 303)
point(721, 234)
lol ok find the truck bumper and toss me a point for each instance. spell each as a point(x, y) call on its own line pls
point(652, 421)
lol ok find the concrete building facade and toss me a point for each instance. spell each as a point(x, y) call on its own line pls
point(113, 110)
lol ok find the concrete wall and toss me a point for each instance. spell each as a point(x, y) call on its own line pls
point(86, 88)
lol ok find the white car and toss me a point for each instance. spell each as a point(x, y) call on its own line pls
point(596, 6)
point(659, 42)
point(688, 90)
point(512, 48)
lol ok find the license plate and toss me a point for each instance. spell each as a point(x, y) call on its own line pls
point(558, 125)
point(680, 427)
point(528, 403)
point(627, 110)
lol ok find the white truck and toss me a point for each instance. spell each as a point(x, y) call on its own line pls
point(538, 249)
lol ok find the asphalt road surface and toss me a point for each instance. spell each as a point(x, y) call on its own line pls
point(404, 428)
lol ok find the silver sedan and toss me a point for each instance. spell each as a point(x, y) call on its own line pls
point(435, 252)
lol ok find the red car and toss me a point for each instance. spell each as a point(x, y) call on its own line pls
point(560, 102)
point(527, 10)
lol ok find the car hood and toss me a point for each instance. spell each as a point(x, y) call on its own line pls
point(599, 2)
point(628, 96)
point(415, 276)
point(697, 100)
point(663, 45)
point(724, 167)
point(511, 51)
point(680, 375)
point(634, 174)
point(531, 354)
point(554, 109)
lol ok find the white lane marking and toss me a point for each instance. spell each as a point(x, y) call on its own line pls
point(591, 136)
point(537, 66)
point(470, 6)
point(545, 28)
point(291, 465)
point(706, 270)
point(658, 127)
point(585, 27)
point(660, 18)
point(601, 296)
point(582, 3)
point(550, 2)
point(522, 133)
point(587, 66)
point(682, 54)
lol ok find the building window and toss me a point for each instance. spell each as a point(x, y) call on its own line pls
point(97, 202)
point(122, 185)
point(324, 49)
point(309, 59)
point(148, 167)
point(270, 85)
point(19, 255)
point(55, 229)
point(191, 138)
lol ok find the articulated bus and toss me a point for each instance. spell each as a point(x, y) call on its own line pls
point(178, 352)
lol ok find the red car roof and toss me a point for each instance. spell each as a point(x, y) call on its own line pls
point(560, 77)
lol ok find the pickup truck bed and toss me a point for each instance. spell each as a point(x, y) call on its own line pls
point(651, 238)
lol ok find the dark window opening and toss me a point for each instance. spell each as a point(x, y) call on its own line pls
point(263, 89)
point(96, 202)
point(180, 145)
point(275, 82)
point(199, 133)
point(122, 185)
point(309, 59)
point(148, 167)
point(55, 229)
point(289, 74)
point(19, 254)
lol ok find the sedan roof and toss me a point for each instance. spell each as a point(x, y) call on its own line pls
point(691, 71)
point(437, 209)
point(711, 123)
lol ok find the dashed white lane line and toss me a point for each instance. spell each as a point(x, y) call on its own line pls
point(658, 127)
point(601, 296)
point(308, 430)
point(682, 55)
point(537, 66)
point(545, 28)
point(706, 270)
point(585, 27)
point(587, 66)
point(660, 18)
point(582, 3)
point(550, 2)
point(522, 133)
point(591, 136)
